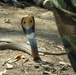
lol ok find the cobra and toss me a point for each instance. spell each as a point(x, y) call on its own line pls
point(28, 26)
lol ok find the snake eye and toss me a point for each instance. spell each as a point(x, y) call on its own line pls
point(30, 21)
point(24, 22)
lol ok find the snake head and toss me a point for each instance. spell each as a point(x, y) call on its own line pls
point(28, 24)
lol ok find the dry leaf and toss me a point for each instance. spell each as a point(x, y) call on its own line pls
point(18, 57)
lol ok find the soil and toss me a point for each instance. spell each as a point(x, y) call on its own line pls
point(47, 37)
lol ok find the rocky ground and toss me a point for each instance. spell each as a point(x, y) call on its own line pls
point(48, 39)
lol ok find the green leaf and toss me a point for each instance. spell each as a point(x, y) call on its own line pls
point(73, 3)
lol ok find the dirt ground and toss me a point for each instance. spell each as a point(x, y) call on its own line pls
point(47, 36)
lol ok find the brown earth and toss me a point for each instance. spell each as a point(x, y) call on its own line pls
point(47, 39)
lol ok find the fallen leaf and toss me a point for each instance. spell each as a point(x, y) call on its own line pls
point(18, 57)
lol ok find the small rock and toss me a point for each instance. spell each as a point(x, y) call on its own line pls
point(46, 67)
point(7, 21)
point(28, 42)
point(45, 73)
point(64, 68)
point(3, 72)
point(47, 63)
point(9, 66)
point(53, 74)
point(36, 66)
point(42, 48)
point(42, 54)
point(64, 63)
point(1, 4)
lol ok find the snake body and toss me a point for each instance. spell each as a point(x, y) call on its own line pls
point(10, 44)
